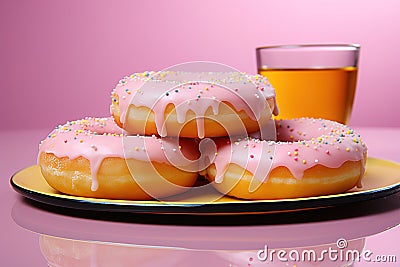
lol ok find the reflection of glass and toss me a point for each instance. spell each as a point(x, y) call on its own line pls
point(312, 80)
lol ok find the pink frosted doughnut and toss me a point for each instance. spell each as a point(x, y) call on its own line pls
point(210, 104)
point(92, 157)
point(311, 157)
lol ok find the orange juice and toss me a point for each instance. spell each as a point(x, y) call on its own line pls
point(318, 93)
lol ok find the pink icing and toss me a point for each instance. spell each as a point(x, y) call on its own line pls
point(195, 91)
point(301, 144)
point(98, 138)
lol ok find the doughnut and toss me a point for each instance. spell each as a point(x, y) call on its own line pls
point(311, 157)
point(92, 157)
point(193, 104)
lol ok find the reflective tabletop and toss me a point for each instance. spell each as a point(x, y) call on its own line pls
point(35, 234)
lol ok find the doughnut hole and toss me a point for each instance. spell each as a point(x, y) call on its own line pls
point(318, 180)
point(115, 181)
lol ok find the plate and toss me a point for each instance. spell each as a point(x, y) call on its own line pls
point(382, 178)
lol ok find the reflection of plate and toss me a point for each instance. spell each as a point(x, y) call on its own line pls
point(280, 230)
point(382, 179)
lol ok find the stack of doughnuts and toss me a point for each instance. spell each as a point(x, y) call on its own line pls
point(151, 147)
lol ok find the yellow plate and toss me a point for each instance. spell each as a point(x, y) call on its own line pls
point(382, 179)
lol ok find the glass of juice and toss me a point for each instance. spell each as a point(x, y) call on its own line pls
point(312, 80)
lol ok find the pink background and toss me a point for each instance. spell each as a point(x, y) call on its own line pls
point(60, 59)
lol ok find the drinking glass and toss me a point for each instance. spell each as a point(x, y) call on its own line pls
point(313, 80)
